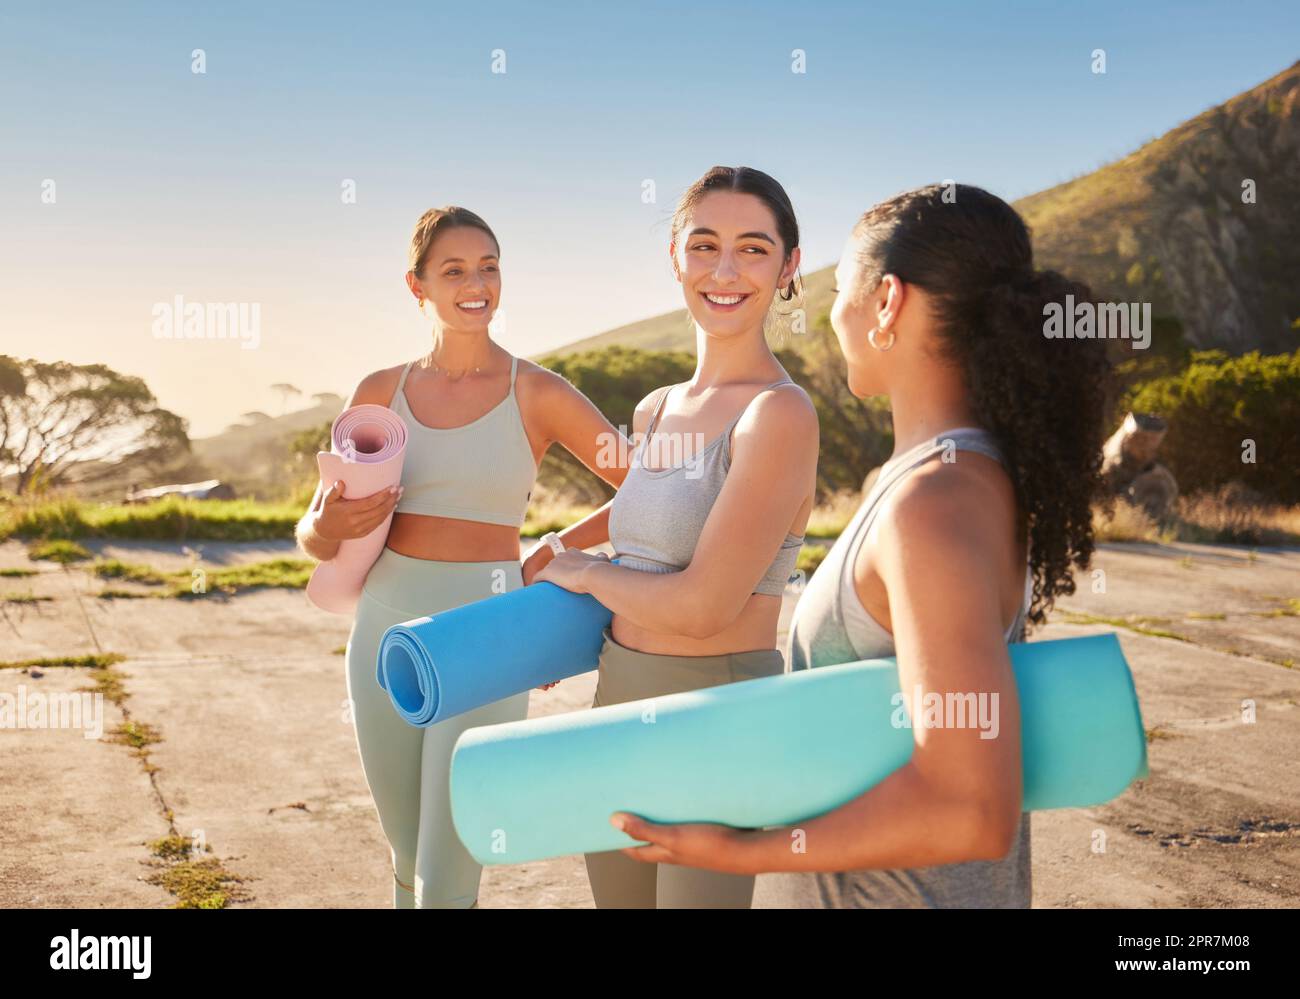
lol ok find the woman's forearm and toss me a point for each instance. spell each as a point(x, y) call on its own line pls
point(590, 531)
point(668, 602)
point(901, 822)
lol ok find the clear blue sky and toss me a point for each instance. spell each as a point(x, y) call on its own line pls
point(226, 186)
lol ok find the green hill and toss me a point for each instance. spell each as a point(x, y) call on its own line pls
point(673, 330)
point(1168, 223)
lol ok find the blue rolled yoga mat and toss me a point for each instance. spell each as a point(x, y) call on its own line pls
point(439, 666)
point(773, 751)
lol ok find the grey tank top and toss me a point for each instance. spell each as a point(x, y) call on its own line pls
point(658, 514)
point(831, 626)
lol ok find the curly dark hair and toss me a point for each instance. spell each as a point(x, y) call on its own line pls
point(1045, 400)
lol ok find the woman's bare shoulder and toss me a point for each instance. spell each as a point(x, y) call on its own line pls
point(377, 388)
point(970, 500)
point(781, 412)
point(536, 380)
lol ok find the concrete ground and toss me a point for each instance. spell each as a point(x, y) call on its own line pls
point(258, 759)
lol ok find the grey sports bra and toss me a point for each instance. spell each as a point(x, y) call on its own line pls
point(830, 625)
point(658, 515)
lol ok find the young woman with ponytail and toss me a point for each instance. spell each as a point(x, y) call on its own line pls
point(969, 533)
point(479, 421)
point(706, 545)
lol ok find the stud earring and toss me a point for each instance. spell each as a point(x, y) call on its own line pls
point(871, 338)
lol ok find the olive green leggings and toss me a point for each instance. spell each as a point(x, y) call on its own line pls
point(618, 881)
point(407, 767)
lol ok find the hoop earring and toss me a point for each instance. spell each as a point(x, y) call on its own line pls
point(871, 338)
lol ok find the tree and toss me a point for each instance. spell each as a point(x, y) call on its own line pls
point(56, 416)
point(286, 390)
point(615, 379)
point(856, 435)
point(304, 445)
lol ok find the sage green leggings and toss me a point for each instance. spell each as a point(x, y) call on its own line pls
point(406, 767)
point(618, 881)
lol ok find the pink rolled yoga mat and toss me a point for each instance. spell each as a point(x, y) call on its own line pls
point(367, 447)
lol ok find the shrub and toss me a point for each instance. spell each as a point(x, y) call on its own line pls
point(1215, 407)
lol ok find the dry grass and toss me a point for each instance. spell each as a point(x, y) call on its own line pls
point(1212, 518)
point(1125, 523)
point(1206, 518)
point(1222, 517)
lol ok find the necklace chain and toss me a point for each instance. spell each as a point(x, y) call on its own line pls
point(455, 378)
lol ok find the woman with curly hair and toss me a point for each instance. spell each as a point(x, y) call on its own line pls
point(970, 531)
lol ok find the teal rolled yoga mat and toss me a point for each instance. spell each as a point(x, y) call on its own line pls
point(773, 751)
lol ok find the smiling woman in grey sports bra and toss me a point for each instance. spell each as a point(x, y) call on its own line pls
point(707, 543)
point(972, 528)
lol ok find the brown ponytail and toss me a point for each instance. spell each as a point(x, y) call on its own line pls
point(439, 220)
